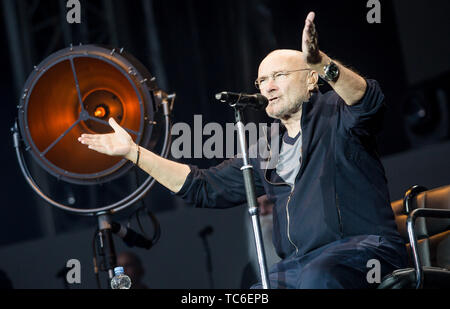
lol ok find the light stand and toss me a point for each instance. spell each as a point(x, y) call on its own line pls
point(106, 244)
point(75, 91)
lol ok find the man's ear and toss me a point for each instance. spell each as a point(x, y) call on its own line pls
point(312, 80)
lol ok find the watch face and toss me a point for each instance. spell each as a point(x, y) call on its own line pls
point(331, 72)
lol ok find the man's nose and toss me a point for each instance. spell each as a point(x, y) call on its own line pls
point(271, 85)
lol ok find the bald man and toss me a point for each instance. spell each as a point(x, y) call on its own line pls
point(332, 215)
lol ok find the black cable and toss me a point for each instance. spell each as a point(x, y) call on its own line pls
point(204, 235)
point(94, 248)
point(157, 229)
point(154, 220)
point(138, 220)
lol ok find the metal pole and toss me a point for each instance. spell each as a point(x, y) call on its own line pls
point(65, 27)
point(111, 21)
point(15, 50)
point(153, 43)
point(106, 243)
point(253, 210)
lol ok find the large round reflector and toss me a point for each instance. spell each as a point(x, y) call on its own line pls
point(75, 91)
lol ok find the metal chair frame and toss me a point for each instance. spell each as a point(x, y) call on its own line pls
point(413, 214)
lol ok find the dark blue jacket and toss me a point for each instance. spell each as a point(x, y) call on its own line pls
point(340, 190)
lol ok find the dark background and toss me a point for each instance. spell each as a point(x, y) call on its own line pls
point(197, 48)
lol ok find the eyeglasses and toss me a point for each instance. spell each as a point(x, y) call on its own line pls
point(276, 77)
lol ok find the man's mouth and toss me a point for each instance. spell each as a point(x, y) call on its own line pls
point(274, 100)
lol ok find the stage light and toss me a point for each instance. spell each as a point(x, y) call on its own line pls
point(100, 111)
point(76, 91)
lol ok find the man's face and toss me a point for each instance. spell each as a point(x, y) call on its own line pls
point(287, 93)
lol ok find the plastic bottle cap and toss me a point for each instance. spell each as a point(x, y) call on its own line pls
point(118, 270)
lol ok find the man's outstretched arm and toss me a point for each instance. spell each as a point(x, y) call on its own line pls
point(170, 174)
point(350, 86)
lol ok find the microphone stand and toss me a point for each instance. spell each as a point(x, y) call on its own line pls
point(253, 210)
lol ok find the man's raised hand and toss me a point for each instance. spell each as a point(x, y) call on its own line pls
point(310, 42)
point(118, 143)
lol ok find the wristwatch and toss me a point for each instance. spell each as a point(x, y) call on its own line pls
point(331, 71)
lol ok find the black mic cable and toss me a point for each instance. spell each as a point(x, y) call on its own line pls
point(130, 236)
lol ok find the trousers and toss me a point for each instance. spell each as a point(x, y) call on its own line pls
point(342, 264)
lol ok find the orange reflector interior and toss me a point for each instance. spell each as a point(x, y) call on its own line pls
point(54, 106)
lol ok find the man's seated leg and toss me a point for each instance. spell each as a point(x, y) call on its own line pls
point(282, 275)
point(343, 264)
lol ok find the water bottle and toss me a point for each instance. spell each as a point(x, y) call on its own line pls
point(120, 280)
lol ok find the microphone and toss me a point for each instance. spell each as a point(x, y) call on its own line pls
point(256, 101)
point(130, 236)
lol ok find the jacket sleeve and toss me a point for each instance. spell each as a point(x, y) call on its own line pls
point(221, 186)
point(365, 117)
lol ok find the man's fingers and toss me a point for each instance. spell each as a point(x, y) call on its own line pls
point(94, 144)
point(115, 125)
point(92, 139)
point(309, 32)
point(309, 23)
point(87, 139)
point(310, 17)
point(310, 42)
point(90, 136)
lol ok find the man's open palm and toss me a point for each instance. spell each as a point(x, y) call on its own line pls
point(118, 143)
